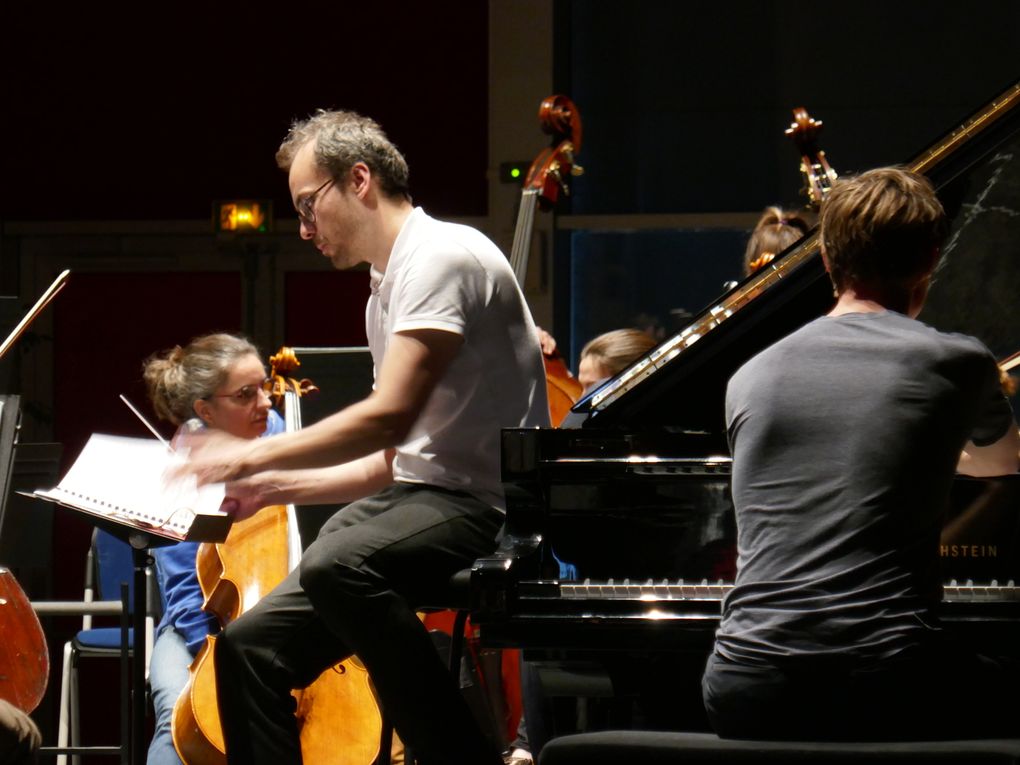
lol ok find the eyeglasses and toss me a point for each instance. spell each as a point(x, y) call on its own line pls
point(306, 205)
point(246, 394)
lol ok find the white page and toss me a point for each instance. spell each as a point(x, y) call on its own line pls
point(126, 478)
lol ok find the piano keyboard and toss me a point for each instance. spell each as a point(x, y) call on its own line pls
point(649, 590)
point(968, 592)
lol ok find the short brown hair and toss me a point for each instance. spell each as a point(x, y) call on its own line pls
point(616, 350)
point(881, 228)
point(343, 139)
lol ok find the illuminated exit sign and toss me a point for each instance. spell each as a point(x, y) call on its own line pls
point(244, 216)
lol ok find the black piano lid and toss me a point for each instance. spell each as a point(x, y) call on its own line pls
point(681, 383)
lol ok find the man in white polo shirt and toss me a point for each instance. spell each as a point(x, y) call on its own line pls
point(456, 359)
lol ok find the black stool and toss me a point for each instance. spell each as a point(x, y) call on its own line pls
point(457, 598)
point(660, 748)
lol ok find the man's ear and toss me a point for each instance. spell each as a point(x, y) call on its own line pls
point(359, 178)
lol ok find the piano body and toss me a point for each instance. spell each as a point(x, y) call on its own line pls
point(633, 488)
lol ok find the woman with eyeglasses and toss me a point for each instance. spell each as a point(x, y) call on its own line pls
point(216, 381)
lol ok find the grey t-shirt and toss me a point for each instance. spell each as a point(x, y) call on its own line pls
point(845, 437)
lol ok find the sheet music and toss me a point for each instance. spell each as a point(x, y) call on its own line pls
point(125, 480)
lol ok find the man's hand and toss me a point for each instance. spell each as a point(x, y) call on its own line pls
point(547, 342)
point(215, 456)
point(245, 497)
point(1000, 458)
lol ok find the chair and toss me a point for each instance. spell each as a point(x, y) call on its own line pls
point(661, 748)
point(109, 565)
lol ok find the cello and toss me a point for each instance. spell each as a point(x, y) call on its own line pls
point(24, 657)
point(24, 654)
point(546, 178)
point(257, 555)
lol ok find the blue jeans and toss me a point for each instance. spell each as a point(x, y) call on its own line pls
point(168, 674)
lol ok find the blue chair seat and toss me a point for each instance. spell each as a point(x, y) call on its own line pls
point(102, 638)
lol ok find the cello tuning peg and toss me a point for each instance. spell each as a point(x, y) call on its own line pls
point(576, 170)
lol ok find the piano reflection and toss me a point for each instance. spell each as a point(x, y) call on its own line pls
point(633, 488)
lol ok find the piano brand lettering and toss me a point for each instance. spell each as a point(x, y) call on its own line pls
point(969, 551)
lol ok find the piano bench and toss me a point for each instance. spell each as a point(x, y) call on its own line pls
point(457, 598)
point(659, 748)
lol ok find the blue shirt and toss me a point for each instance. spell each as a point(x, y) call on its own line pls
point(178, 580)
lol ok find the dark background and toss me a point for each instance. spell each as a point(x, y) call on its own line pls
point(115, 112)
point(128, 112)
point(110, 114)
point(685, 103)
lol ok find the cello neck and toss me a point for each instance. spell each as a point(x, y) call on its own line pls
point(292, 418)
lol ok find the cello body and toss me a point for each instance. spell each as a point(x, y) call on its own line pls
point(24, 656)
point(338, 716)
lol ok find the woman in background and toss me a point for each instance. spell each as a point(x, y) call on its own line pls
point(776, 230)
point(610, 353)
point(216, 381)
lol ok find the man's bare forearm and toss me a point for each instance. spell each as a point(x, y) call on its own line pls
point(313, 486)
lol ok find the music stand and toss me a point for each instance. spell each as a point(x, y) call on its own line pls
point(343, 375)
point(140, 543)
point(10, 414)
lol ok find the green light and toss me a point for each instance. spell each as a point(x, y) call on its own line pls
point(515, 173)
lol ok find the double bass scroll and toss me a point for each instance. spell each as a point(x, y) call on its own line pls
point(546, 179)
point(818, 174)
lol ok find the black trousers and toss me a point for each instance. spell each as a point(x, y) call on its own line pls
point(355, 592)
point(942, 691)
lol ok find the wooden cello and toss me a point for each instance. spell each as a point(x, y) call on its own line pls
point(546, 178)
point(24, 657)
point(257, 555)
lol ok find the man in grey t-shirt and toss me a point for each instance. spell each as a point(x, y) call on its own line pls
point(845, 438)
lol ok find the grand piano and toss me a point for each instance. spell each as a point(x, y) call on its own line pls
point(633, 489)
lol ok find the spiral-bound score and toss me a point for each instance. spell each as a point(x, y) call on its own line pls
point(127, 481)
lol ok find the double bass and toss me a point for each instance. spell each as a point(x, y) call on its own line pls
point(814, 166)
point(338, 717)
point(546, 178)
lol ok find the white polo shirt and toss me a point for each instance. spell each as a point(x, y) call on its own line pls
point(450, 277)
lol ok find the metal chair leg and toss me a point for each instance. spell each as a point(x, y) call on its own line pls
point(63, 726)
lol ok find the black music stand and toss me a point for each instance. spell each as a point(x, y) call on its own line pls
point(343, 375)
point(10, 413)
point(140, 543)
